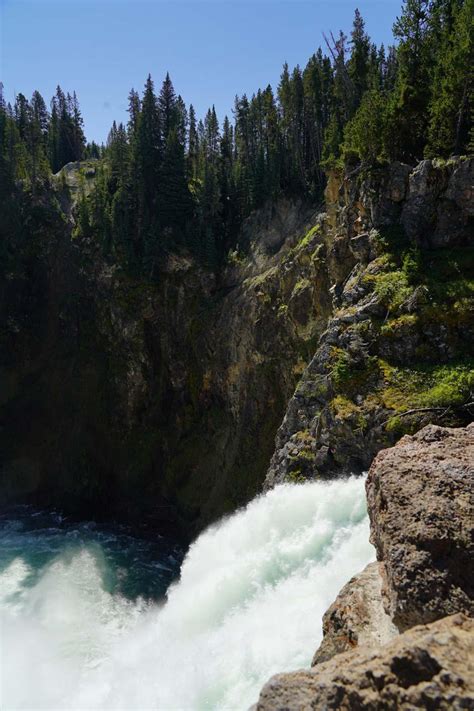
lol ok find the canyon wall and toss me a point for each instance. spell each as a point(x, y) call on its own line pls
point(160, 400)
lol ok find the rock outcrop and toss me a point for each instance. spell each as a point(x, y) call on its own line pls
point(159, 399)
point(400, 635)
point(420, 497)
point(356, 618)
point(427, 667)
point(155, 400)
point(397, 351)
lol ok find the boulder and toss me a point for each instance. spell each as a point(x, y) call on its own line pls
point(356, 618)
point(427, 667)
point(421, 508)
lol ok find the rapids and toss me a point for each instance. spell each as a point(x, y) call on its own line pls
point(76, 634)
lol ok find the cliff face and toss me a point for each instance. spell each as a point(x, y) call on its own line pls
point(152, 400)
point(161, 399)
point(397, 352)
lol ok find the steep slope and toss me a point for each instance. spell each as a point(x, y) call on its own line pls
point(397, 352)
point(151, 400)
point(160, 400)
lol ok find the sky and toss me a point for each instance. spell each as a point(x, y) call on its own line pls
point(213, 49)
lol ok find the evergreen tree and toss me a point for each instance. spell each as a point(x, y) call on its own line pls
point(77, 129)
point(358, 64)
point(407, 119)
point(167, 104)
point(133, 112)
point(364, 134)
point(175, 196)
point(148, 149)
point(452, 102)
point(193, 146)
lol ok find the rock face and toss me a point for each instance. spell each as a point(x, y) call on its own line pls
point(397, 351)
point(356, 618)
point(421, 504)
point(152, 400)
point(427, 667)
point(439, 209)
point(160, 399)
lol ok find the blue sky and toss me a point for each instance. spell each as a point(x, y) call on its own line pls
point(213, 49)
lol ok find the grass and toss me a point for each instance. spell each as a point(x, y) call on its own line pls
point(426, 385)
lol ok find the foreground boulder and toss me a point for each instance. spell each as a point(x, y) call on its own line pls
point(420, 497)
point(356, 617)
point(427, 667)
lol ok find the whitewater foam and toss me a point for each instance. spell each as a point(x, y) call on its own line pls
point(249, 603)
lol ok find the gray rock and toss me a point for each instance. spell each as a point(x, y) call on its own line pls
point(440, 203)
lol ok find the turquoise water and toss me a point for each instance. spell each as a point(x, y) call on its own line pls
point(133, 565)
point(94, 617)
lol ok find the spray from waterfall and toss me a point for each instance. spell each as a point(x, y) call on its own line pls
point(249, 603)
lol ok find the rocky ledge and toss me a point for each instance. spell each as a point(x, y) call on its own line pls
point(400, 635)
point(426, 667)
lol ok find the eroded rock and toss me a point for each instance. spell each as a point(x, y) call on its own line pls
point(427, 667)
point(421, 505)
point(356, 618)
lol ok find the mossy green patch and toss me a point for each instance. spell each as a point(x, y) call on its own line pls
point(345, 409)
point(350, 377)
point(397, 327)
point(427, 385)
point(300, 286)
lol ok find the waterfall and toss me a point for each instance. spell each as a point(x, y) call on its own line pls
point(249, 602)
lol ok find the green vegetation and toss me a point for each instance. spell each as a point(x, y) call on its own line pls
point(169, 181)
point(301, 285)
point(427, 385)
point(304, 241)
point(429, 301)
point(344, 409)
point(351, 377)
point(424, 103)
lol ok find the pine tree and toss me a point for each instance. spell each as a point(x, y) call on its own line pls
point(148, 153)
point(133, 112)
point(341, 106)
point(272, 144)
point(452, 102)
point(167, 105)
point(118, 153)
point(77, 130)
point(358, 64)
point(40, 113)
point(407, 120)
point(364, 134)
point(176, 200)
point(22, 113)
point(193, 146)
point(53, 139)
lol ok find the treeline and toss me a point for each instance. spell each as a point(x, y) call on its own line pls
point(36, 141)
point(171, 181)
point(428, 110)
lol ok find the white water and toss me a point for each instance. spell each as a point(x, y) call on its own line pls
point(249, 603)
